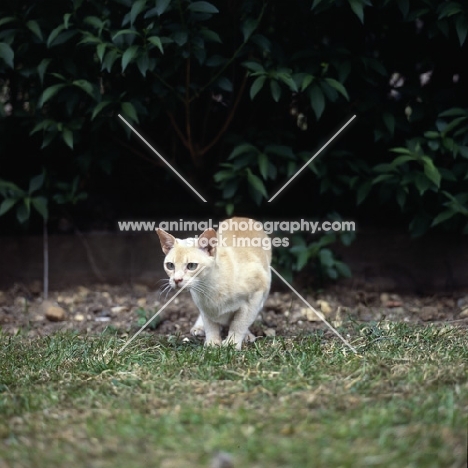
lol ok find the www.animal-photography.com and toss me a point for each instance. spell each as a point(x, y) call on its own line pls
point(233, 234)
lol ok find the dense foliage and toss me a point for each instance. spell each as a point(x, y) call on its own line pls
point(239, 95)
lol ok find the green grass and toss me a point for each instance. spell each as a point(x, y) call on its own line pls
point(71, 400)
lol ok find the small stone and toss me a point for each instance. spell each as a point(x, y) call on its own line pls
point(310, 314)
point(325, 307)
point(140, 289)
point(55, 314)
point(270, 332)
point(21, 301)
point(102, 319)
point(35, 287)
point(464, 313)
point(429, 313)
point(186, 340)
point(384, 298)
point(79, 317)
point(142, 302)
point(222, 460)
point(118, 309)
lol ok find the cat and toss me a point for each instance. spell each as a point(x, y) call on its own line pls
point(233, 277)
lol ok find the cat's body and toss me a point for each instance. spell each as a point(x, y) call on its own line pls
point(228, 282)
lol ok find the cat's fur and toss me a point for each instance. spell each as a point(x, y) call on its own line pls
point(230, 289)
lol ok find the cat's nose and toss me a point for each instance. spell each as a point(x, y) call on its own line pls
point(177, 281)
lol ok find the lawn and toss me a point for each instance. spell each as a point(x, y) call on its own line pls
point(71, 400)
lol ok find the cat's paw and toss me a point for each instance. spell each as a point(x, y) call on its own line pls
point(250, 337)
point(230, 341)
point(212, 342)
point(197, 330)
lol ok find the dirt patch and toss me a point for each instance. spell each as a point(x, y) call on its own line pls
point(126, 308)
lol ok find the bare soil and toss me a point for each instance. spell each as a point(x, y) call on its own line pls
point(125, 308)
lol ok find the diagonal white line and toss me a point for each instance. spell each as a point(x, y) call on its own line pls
point(318, 314)
point(159, 311)
point(312, 158)
point(162, 159)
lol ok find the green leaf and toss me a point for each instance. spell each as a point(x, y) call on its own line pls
point(225, 84)
point(358, 8)
point(229, 209)
point(100, 50)
point(36, 183)
point(143, 63)
point(137, 8)
point(6, 205)
point(7, 19)
point(248, 27)
point(49, 93)
point(230, 189)
point(461, 25)
point(338, 86)
point(253, 66)
point(263, 165)
point(66, 20)
point(317, 101)
point(275, 90)
point(400, 150)
point(443, 216)
point(156, 41)
point(53, 35)
point(129, 111)
point(398, 161)
point(7, 54)
point(454, 112)
point(23, 212)
point(256, 183)
point(362, 192)
point(210, 35)
point(280, 150)
point(33, 26)
point(109, 60)
point(99, 107)
point(223, 175)
point(86, 86)
point(180, 37)
point(257, 85)
point(128, 55)
point(431, 172)
point(40, 204)
point(202, 7)
point(403, 5)
point(67, 136)
point(94, 21)
point(124, 32)
point(42, 67)
point(389, 121)
point(326, 257)
point(161, 6)
point(241, 149)
point(307, 80)
point(343, 269)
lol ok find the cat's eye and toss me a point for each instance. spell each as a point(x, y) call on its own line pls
point(169, 265)
point(192, 266)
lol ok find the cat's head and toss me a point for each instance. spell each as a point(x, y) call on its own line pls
point(187, 258)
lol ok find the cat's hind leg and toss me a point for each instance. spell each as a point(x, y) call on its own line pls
point(198, 328)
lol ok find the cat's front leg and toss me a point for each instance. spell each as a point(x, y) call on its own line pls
point(212, 332)
point(198, 328)
point(241, 321)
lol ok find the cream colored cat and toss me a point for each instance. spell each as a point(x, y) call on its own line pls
point(233, 277)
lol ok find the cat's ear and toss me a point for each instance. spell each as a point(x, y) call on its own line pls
point(166, 239)
point(208, 241)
